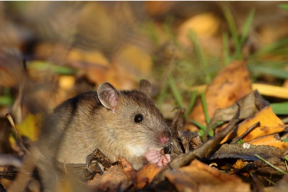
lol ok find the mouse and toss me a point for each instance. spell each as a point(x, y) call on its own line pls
point(118, 122)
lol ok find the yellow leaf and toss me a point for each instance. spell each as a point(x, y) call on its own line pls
point(204, 25)
point(231, 84)
point(269, 124)
point(30, 126)
point(91, 57)
point(66, 82)
point(134, 59)
point(263, 89)
point(269, 140)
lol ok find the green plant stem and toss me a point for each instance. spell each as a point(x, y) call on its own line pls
point(270, 164)
point(205, 108)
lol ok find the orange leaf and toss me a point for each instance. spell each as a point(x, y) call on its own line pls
point(146, 174)
point(269, 140)
point(269, 124)
point(109, 180)
point(231, 84)
point(200, 177)
point(240, 164)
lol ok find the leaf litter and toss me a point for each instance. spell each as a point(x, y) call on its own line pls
point(234, 159)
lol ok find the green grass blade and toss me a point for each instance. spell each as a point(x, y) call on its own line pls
point(285, 140)
point(284, 6)
point(280, 108)
point(199, 53)
point(280, 73)
point(234, 32)
point(162, 95)
point(271, 165)
point(271, 47)
point(247, 26)
point(286, 165)
point(6, 100)
point(202, 128)
point(270, 182)
point(205, 108)
point(191, 103)
point(199, 125)
point(226, 49)
point(176, 92)
point(41, 65)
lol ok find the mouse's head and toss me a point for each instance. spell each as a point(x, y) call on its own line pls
point(135, 117)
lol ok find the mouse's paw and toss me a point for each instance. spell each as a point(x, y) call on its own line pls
point(164, 160)
point(154, 156)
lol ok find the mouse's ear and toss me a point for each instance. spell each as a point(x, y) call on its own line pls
point(108, 96)
point(145, 87)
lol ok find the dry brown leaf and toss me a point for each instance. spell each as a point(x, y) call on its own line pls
point(200, 177)
point(146, 174)
point(6, 183)
point(229, 85)
point(282, 185)
point(269, 124)
point(128, 169)
point(111, 180)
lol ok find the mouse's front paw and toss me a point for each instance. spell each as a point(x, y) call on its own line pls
point(164, 160)
point(154, 156)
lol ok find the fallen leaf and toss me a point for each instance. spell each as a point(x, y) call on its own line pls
point(228, 86)
point(263, 89)
point(86, 58)
point(112, 180)
point(271, 90)
point(200, 177)
point(282, 185)
point(246, 151)
point(30, 127)
point(128, 169)
point(240, 164)
point(146, 174)
point(136, 60)
point(249, 104)
point(269, 124)
point(66, 82)
point(269, 140)
point(204, 25)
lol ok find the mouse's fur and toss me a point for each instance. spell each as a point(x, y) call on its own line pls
point(90, 120)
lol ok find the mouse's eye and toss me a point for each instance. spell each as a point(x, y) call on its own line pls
point(138, 118)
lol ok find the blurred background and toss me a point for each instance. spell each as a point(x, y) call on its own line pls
point(50, 51)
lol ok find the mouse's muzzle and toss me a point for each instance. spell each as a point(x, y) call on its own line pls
point(164, 137)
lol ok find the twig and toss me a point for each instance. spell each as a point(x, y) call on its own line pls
point(163, 154)
point(13, 160)
point(24, 175)
point(201, 152)
point(9, 117)
point(235, 140)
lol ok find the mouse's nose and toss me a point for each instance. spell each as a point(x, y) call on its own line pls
point(165, 137)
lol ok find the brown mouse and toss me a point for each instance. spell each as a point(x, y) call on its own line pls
point(118, 123)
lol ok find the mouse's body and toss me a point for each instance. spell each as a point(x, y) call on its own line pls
point(118, 123)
